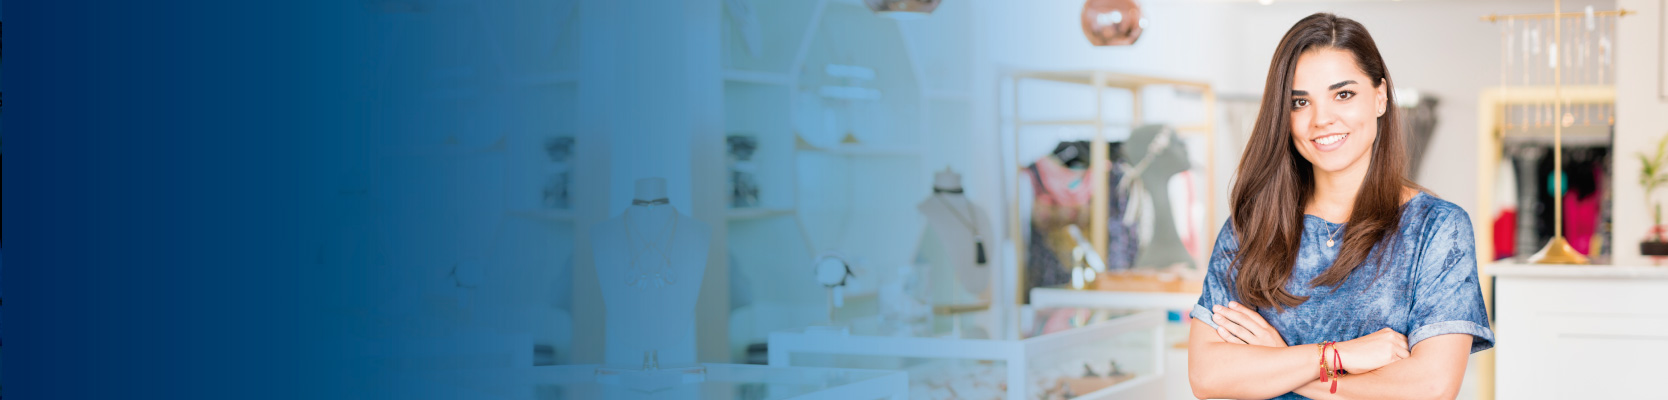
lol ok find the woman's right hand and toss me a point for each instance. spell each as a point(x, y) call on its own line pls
point(1373, 351)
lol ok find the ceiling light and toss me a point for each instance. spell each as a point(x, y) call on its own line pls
point(1112, 22)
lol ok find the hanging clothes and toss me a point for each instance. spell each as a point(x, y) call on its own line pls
point(1505, 204)
point(1122, 244)
point(1582, 198)
point(1062, 196)
point(1526, 160)
point(1583, 201)
point(1580, 220)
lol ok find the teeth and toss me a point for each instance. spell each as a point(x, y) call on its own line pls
point(1330, 139)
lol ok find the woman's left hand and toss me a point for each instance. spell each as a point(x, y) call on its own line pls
point(1240, 324)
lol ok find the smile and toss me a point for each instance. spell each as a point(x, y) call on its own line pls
point(1330, 142)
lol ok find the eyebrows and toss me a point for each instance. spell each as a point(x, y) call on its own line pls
point(1334, 86)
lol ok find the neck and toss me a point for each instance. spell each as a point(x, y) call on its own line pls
point(1335, 191)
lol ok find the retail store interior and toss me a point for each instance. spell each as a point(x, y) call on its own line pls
point(976, 199)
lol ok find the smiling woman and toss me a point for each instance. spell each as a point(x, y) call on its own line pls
point(1334, 266)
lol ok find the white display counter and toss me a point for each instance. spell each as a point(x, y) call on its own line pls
point(703, 381)
point(1567, 332)
point(1063, 353)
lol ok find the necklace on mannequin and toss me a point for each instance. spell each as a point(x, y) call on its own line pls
point(641, 277)
point(972, 226)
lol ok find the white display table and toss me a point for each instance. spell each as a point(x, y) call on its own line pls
point(1041, 365)
point(712, 381)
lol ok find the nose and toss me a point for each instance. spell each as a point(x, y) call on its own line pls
point(1324, 115)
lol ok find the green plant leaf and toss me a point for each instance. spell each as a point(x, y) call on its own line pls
point(1661, 147)
point(1648, 171)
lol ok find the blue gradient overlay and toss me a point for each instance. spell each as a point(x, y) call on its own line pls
point(342, 199)
point(202, 200)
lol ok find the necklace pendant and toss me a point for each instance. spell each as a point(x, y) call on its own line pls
point(1328, 242)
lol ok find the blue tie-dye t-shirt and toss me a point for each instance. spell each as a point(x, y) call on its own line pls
point(1426, 287)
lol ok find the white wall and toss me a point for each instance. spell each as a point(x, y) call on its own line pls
point(1641, 120)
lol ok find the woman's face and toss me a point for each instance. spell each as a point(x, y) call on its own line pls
point(1335, 110)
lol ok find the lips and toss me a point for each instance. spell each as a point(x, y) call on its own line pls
point(1330, 142)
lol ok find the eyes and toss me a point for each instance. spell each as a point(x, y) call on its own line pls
point(1341, 96)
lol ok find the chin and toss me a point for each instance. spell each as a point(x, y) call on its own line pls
point(1336, 163)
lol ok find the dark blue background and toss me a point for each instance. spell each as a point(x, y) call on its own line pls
point(167, 164)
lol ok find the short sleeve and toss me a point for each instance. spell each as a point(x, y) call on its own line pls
point(1446, 295)
point(1217, 290)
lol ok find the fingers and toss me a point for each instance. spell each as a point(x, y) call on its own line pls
point(1235, 316)
point(1250, 314)
point(1397, 343)
point(1227, 319)
point(1250, 320)
point(1228, 336)
point(1400, 342)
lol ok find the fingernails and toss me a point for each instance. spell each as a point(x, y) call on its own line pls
point(1216, 308)
point(1233, 304)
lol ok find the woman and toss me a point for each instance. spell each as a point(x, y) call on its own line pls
point(1330, 242)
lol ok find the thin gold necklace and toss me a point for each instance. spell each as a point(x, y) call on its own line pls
point(1330, 230)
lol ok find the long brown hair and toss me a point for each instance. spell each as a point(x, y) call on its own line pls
point(1275, 181)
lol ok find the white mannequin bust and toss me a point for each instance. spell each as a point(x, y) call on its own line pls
point(960, 228)
point(649, 263)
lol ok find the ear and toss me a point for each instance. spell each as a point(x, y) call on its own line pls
point(1383, 96)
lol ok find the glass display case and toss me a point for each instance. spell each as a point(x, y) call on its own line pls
point(1053, 353)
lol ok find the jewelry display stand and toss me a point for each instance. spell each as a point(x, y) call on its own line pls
point(964, 232)
point(650, 261)
point(957, 240)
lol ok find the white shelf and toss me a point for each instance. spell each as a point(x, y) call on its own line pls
point(755, 213)
point(857, 150)
point(543, 215)
point(762, 78)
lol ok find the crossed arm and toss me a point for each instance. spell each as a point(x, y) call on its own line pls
point(1248, 359)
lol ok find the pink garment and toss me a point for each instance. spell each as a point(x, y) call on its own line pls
point(1581, 220)
point(1505, 228)
point(1063, 186)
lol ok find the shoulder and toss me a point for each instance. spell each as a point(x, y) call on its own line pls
point(1427, 209)
point(1226, 239)
point(1434, 223)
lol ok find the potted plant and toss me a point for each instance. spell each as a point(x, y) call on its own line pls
point(1654, 174)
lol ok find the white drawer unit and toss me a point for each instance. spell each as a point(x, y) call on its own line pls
point(1568, 332)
